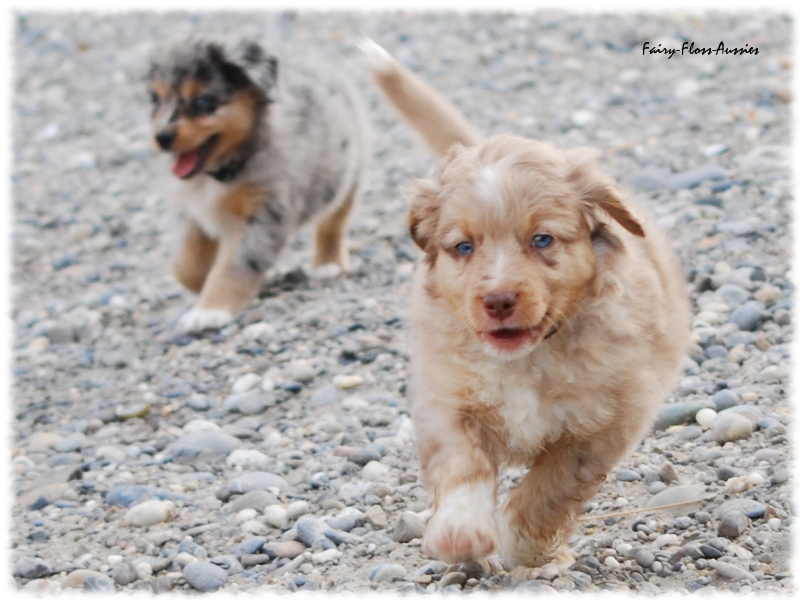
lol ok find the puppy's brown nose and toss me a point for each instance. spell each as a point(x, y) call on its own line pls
point(165, 138)
point(500, 305)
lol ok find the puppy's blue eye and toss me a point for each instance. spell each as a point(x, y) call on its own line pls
point(203, 105)
point(541, 240)
point(465, 248)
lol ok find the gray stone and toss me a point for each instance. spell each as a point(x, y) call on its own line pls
point(253, 402)
point(732, 295)
point(674, 495)
point(362, 456)
point(311, 529)
point(724, 399)
point(257, 499)
point(124, 574)
point(31, 568)
point(729, 427)
point(452, 578)
point(746, 506)
point(327, 394)
point(387, 573)
point(407, 527)
point(627, 475)
point(690, 432)
point(747, 316)
point(694, 177)
point(732, 525)
point(679, 413)
point(202, 446)
point(255, 480)
point(205, 576)
point(730, 571)
point(249, 546)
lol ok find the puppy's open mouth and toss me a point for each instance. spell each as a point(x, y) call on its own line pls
point(189, 163)
point(511, 338)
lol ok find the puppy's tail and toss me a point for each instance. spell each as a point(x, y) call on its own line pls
point(426, 110)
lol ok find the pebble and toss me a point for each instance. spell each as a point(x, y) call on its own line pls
point(679, 413)
point(287, 549)
point(387, 572)
point(644, 558)
point(346, 382)
point(747, 316)
point(326, 556)
point(258, 499)
point(374, 471)
point(310, 529)
point(729, 427)
point(276, 515)
point(89, 581)
point(253, 402)
point(297, 509)
point(205, 576)
point(202, 446)
point(151, 512)
point(245, 383)
point(376, 517)
point(724, 399)
point(705, 417)
point(407, 527)
point(730, 571)
point(732, 525)
point(323, 396)
point(255, 480)
point(32, 568)
point(627, 475)
point(302, 371)
point(124, 574)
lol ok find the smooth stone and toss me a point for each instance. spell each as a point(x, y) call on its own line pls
point(452, 578)
point(228, 562)
point(774, 374)
point(387, 573)
point(151, 512)
point(627, 475)
point(747, 316)
point(752, 509)
point(202, 446)
point(40, 497)
point(124, 574)
point(276, 516)
point(376, 517)
point(72, 443)
point(750, 412)
point(325, 556)
point(255, 480)
point(690, 432)
point(346, 382)
point(732, 295)
point(258, 332)
point(311, 529)
point(724, 399)
point(287, 548)
point(249, 546)
point(342, 522)
point(31, 568)
point(205, 576)
point(667, 473)
point(647, 179)
point(198, 402)
point(730, 427)
point(679, 413)
point(297, 509)
point(362, 456)
point(705, 417)
point(564, 584)
point(374, 471)
point(42, 588)
point(245, 383)
point(731, 571)
point(253, 402)
point(644, 558)
point(732, 525)
point(89, 581)
point(327, 394)
point(694, 177)
point(408, 527)
point(681, 493)
point(247, 458)
point(302, 371)
point(126, 495)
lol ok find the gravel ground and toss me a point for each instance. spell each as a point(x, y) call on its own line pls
point(278, 453)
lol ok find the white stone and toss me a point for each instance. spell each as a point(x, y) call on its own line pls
point(151, 512)
point(114, 560)
point(374, 471)
point(346, 382)
point(297, 509)
point(246, 514)
point(243, 457)
point(302, 371)
point(611, 562)
point(326, 556)
point(756, 478)
point(245, 383)
point(200, 425)
point(276, 515)
point(705, 417)
point(143, 569)
point(259, 332)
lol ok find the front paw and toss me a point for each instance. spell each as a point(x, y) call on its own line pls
point(200, 319)
point(463, 527)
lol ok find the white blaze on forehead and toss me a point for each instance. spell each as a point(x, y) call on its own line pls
point(488, 184)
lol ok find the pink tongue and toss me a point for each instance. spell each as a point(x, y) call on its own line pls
point(186, 163)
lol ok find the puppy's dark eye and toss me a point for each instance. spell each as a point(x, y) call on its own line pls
point(154, 98)
point(465, 248)
point(203, 105)
point(541, 240)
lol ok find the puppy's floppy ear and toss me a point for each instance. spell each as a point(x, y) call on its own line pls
point(423, 215)
point(599, 191)
point(260, 67)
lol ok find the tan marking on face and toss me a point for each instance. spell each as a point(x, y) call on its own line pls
point(191, 88)
point(159, 89)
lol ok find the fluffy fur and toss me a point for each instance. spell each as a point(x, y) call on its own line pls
point(549, 321)
point(259, 149)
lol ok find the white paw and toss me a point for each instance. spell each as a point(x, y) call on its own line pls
point(328, 271)
point(463, 527)
point(199, 319)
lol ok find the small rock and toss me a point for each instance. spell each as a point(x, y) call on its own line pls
point(730, 571)
point(667, 473)
point(323, 396)
point(247, 458)
point(302, 371)
point(202, 446)
point(245, 383)
point(287, 548)
point(276, 515)
point(32, 568)
point(253, 402)
point(310, 529)
point(387, 573)
point(644, 558)
point(705, 417)
point(124, 574)
point(151, 512)
point(627, 475)
point(729, 427)
point(297, 509)
point(205, 576)
point(452, 578)
point(747, 316)
point(724, 399)
point(89, 581)
point(407, 527)
point(374, 471)
point(681, 493)
point(255, 480)
point(732, 525)
point(679, 413)
point(326, 556)
point(376, 517)
point(346, 382)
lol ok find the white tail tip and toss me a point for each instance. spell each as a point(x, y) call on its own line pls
point(379, 59)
